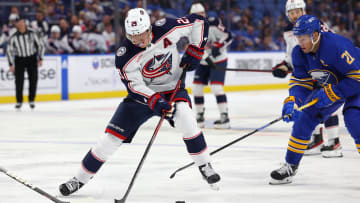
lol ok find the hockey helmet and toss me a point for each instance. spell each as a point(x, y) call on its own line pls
point(294, 4)
point(197, 8)
point(137, 21)
point(306, 24)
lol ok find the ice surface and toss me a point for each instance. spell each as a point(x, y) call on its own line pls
point(45, 147)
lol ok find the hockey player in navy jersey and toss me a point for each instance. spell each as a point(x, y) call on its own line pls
point(295, 9)
point(334, 62)
point(219, 39)
point(150, 66)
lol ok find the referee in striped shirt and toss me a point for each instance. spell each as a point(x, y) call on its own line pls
point(25, 51)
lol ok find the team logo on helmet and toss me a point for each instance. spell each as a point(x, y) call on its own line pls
point(157, 66)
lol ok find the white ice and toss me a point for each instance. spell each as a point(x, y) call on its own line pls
point(45, 147)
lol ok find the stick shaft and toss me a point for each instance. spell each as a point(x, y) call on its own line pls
point(29, 185)
point(148, 147)
point(245, 136)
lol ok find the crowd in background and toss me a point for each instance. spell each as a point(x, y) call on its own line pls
point(88, 26)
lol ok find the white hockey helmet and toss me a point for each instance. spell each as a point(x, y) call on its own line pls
point(294, 4)
point(137, 21)
point(55, 28)
point(197, 8)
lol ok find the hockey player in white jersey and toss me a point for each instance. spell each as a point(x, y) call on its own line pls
point(150, 66)
point(219, 39)
point(295, 9)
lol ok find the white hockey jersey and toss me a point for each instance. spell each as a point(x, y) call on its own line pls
point(217, 33)
point(291, 41)
point(145, 71)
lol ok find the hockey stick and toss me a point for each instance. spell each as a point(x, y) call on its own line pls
point(214, 66)
point(123, 199)
point(29, 185)
point(245, 136)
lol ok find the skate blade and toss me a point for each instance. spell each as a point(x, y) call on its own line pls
point(280, 182)
point(214, 186)
point(332, 154)
point(201, 124)
point(222, 126)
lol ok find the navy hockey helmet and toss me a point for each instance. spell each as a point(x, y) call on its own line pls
point(307, 24)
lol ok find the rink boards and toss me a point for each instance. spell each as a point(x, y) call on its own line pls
point(67, 77)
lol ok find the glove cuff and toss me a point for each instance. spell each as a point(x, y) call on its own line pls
point(332, 92)
point(195, 52)
point(152, 100)
point(289, 99)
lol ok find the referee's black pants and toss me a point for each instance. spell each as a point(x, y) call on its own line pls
point(30, 64)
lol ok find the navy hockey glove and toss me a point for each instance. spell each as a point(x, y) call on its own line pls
point(192, 56)
point(281, 70)
point(215, 50)
point(327, 96)
point(289, 111)
point(159, 105)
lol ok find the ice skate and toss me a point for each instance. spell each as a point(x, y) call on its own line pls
point(333, 150)
point(283, 175)
point(70, 186)
point(315, 144)
point(210, 175)
point(200, 119)
point(32, 104)
point(18, 105)
point(223, 123)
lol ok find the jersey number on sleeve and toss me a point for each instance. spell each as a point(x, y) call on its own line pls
point(183, 20)
point(349, 58)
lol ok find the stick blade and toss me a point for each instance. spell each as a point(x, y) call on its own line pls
point(2, 169)
point(119, 200)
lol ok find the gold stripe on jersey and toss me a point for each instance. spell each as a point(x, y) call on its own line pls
point(355, 74)
point(304, 82)
point(358, 147)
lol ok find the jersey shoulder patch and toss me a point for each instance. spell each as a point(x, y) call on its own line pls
point(160, 22)
point(125, 52)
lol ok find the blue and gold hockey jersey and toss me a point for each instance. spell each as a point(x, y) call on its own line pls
point(336, 62)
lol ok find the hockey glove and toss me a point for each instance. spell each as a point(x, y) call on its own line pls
point(289, 111)
point(215, 50)
point(327, 96)
point(281, 70)
point(192, 56)
point(159, 105)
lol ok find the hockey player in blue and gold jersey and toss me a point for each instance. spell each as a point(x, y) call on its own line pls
point(332, 62)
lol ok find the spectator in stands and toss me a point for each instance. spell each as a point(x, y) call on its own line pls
point(40, 26)
point(55, 45)
point(105, 21)
point(76, 42)
point(65, 29)
point(109, 36)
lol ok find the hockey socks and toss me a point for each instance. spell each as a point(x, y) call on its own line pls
point(197, 148)
point(295, 150)
point(90, 165)
point(221, 101)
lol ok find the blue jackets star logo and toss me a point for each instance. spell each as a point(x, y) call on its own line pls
point(158, 66)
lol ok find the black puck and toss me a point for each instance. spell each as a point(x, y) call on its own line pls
point(180, 202)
